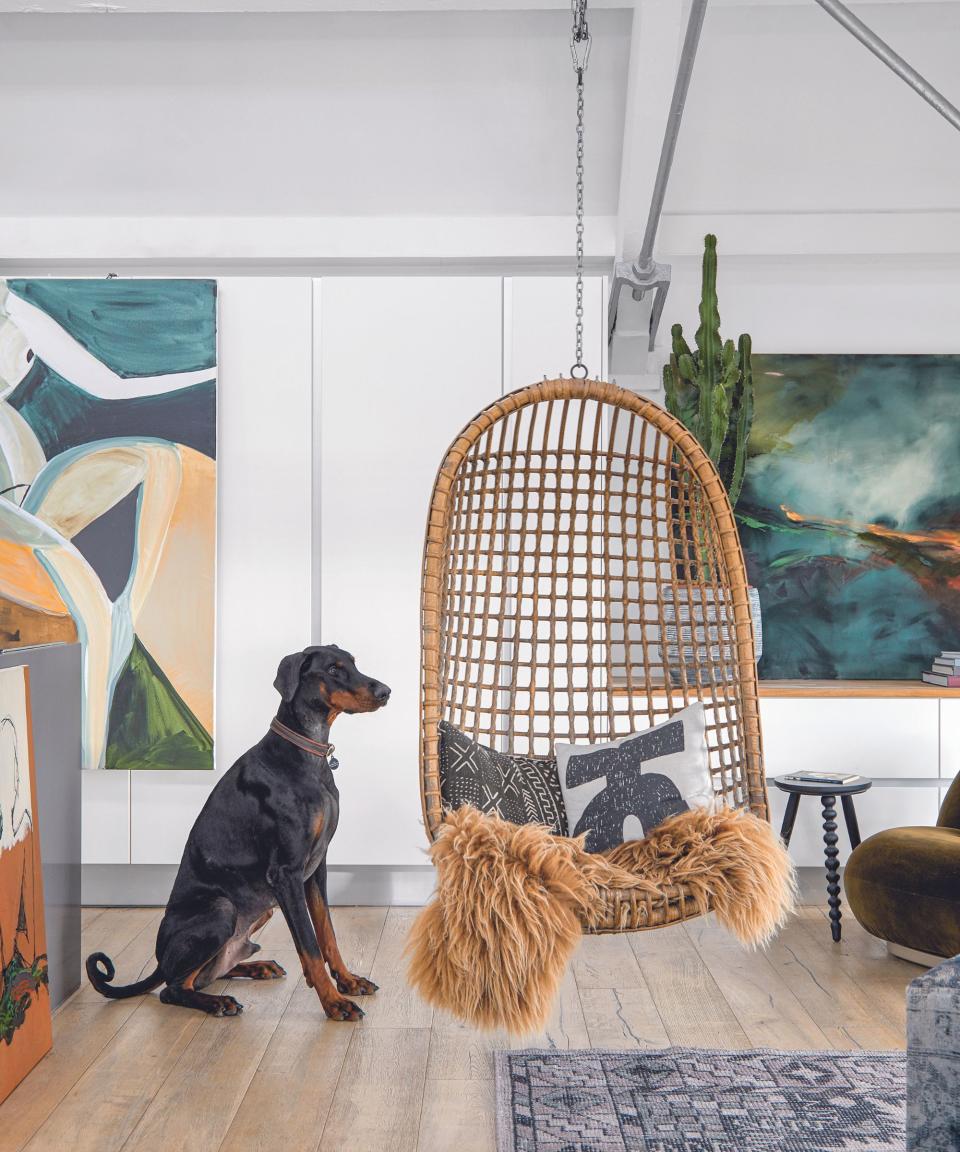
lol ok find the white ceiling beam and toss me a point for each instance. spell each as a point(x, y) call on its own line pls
point(525, 243)
point(274, 7)
point(655, 40)
point(400, 241)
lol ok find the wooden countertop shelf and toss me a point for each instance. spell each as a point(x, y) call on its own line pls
point(890, 689)
point(832, 689)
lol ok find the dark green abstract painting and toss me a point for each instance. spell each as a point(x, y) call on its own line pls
point(850, 514)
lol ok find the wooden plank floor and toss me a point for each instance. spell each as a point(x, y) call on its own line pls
point(143, 1077)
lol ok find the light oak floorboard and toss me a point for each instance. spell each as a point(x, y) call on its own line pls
point(768, 1011)
point(693, 1009)
point(458, 1052)
point(606, 961)
point(882, 977)
point(622, 1018)
point(379, 1097)
point(458, 1115)
point(287, 1102)
point(396, 1005)
point(106, 1104)
point(197, 1102)
point(82, 1028)
point(140, 1076)
point(843, 1010)
point(303, 1060)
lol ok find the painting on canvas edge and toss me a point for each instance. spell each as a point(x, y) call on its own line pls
point(850, 513)
point(108, 437)
point(25, 1017)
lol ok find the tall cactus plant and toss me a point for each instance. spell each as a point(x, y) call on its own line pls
point(711, 390)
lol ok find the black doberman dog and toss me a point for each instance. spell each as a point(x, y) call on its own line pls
point(261, 841)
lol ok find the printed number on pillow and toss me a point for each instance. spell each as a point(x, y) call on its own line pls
point(517, 788)
point(622, 790)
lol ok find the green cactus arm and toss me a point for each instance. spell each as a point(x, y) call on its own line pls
point(729, 366)
point(708, 337)
point(719, 421)
point(681, 394)
point(670, 386)
point(687, 368)
point(679, 344)
point(744, 419)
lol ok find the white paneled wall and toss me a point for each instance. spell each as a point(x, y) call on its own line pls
point(338, 399)
point(898, 743)
point(949, 738)
point(404, 364)
point(878, 738)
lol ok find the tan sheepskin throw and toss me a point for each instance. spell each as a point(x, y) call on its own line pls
point(493, 944)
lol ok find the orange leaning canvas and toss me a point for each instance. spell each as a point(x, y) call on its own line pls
point(25, 1021)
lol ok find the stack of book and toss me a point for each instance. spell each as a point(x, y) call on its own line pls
point(823, 778)
point(945, 671)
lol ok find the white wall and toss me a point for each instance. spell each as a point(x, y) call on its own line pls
point(877, 303)
point(192, 142)
point(328, 114)
point(382, 372)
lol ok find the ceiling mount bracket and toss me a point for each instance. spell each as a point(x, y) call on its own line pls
point(645, 274)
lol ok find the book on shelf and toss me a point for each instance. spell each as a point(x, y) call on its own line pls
point(941, 679)
point(823, 777)
point(947, 667)
point(949, 656)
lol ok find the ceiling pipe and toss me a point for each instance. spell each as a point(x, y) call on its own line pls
point(893, 60)
point(645, 274)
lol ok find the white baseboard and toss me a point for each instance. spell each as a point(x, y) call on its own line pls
point(149, 884)
point(371, 885)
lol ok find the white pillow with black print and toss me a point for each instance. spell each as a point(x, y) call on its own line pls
point(623, 789)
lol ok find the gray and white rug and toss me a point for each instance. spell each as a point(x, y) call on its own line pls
point(699, 1100)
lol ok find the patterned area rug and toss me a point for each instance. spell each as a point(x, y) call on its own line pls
point(697, 1100)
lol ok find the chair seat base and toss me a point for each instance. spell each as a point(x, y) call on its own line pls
point(914, 955)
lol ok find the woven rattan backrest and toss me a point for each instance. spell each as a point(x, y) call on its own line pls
point(574, 530)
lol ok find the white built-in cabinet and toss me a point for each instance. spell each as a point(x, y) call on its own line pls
point(338, 398)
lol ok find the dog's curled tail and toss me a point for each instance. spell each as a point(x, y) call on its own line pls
point(100, 971)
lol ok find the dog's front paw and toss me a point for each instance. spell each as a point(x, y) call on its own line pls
point(343, 1010)
point(228, 1006)
point(354, 985)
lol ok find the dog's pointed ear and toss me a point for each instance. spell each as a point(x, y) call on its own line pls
point(288, 675)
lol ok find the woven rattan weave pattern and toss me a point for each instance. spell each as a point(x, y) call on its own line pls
point(564, 519)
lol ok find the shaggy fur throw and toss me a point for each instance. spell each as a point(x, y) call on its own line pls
point(493, 944)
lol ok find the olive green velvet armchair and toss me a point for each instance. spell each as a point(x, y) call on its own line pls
point(903, 884)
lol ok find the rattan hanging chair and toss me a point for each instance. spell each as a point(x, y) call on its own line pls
point(571, 523)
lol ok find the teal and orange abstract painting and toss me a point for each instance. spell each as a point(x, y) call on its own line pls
point(850, 514)
point(108, 434)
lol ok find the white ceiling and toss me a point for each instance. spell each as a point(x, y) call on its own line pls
point(363, 114)
point(460, 113)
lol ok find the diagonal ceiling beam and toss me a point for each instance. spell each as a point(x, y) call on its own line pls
point(657, 83)
point(893, 60)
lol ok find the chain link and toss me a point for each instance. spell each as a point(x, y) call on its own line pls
point(580, 51)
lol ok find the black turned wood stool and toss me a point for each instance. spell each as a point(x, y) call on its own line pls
point(828, 794)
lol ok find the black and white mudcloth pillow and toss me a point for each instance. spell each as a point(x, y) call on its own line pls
point(622, 790)
point(517, 788)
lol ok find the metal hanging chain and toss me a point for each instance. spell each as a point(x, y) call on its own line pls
point(580, 51)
